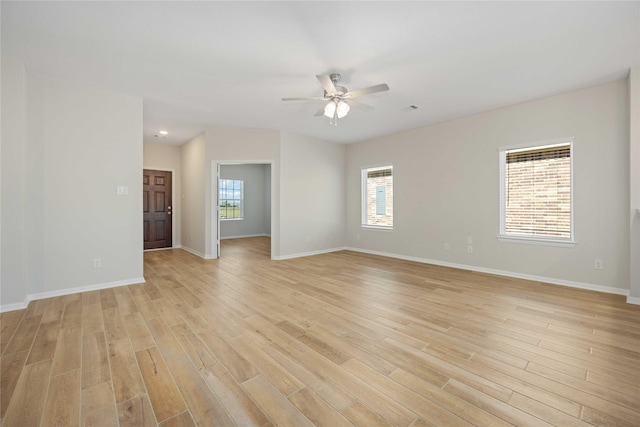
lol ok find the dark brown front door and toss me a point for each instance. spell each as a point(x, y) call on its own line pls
point(156, 191)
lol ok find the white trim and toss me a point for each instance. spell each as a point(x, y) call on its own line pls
point(305, 254)
point(376, 227)
point(173, 199)
point(579, 285)
point(196, 253)
point(69, 291)
point(633, 300)
point(550, 280)
point(364, 172)
point(87, 288)
point(502, 153)
point(15, 306)
point(162, 249)
point(215, 192)
point(538, 144)
point(244, 235)
point(527, 240)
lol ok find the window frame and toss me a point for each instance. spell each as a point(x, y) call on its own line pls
point(527, 238)
point(241, 217)
point(363, 201)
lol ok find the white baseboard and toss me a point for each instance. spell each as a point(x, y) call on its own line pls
point(573, 284)
point(162, 249)
point(633, 300)
point(197, 253)
point(551, 280)
point(87, 288)
point(244, 235)
point(303, 254)
point(69, 291)
point(15, 306)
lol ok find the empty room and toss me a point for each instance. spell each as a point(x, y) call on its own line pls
point(266, 213)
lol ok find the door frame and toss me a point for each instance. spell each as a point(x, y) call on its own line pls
point(173, 205)
point(215, 194)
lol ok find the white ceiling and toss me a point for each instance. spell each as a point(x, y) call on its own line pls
point(227, 64)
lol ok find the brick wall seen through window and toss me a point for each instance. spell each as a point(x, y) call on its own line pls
point(537, 192)
point(377, 197)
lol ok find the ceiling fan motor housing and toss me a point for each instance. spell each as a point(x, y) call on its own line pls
point(340, 90)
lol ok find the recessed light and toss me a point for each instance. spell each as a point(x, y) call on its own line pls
point(163, 132)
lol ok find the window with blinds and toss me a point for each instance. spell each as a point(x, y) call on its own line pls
point(377, 197)
point(536, 192)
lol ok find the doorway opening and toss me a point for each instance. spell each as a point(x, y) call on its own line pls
point(157, 195)
point(243, 204)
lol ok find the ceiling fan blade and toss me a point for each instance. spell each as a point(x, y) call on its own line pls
point(317, 98)
point(320, 112)
point(366, 91)
point(358, 104)
point(326, 83)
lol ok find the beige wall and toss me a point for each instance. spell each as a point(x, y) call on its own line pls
point(167, 158)
point(241, 146)
point(445, 178)
point(13, 289)
point(446, 189)
point(192, 193)
point(312, 195)
point(302, 222)
point(61, 184)
point(76, 168)
point(634, 161)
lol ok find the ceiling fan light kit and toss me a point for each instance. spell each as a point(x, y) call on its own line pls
point(338, 98)
point(330, 109)
point(336, 109)
point(342, 109)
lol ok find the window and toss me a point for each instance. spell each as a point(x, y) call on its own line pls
point(377, 197)
point(536, 193)
point(231, 199)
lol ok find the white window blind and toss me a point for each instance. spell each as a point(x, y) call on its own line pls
point(537, 192)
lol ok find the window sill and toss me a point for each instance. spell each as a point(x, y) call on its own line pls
point(231, 219)
point(373, 227)
point(525, 240)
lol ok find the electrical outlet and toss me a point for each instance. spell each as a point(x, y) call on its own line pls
point(97, 263)
point(446, 247)
point(469, 249)
point(598, 264)
point(469, 240)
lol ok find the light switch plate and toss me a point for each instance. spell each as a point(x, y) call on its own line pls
point(122, 190)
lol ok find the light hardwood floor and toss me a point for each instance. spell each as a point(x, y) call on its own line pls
point(337, 339)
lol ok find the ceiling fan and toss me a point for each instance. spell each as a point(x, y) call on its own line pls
point(338, 99)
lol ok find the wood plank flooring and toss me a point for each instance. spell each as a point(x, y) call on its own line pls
point(333, 340)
